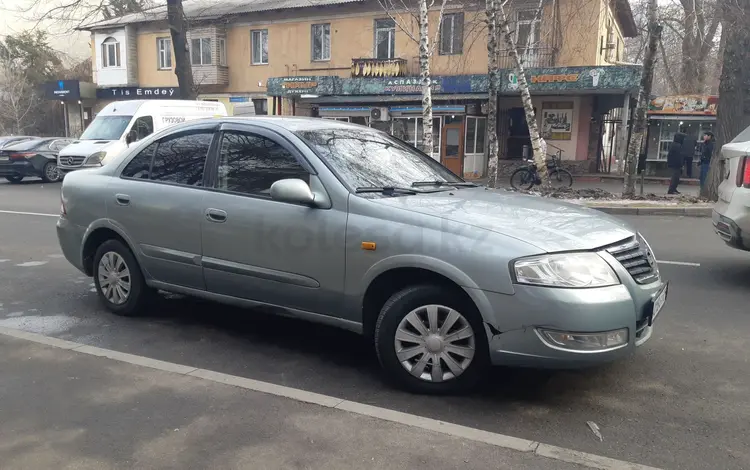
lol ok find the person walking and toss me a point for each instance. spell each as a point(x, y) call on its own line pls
point(706, 152)
point(675, 159)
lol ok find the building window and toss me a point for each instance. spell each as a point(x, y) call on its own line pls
point(527, 30)
point(475, 131)
point(385, 39)
point(222, 52)
point(110, 53)
point(259, 44)
point(321, 41)
point(164, 49)
point(452, 34)
point(200, 51)
point(261, 106)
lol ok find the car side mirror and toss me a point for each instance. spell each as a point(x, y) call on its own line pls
point(131, 137)
point(292, 190)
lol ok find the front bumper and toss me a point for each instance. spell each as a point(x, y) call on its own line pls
point(516, 340)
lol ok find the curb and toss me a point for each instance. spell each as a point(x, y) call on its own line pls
point(649, 179)
point(670, 211)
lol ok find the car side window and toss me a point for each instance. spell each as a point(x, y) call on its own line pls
point(181, 159)
point(143, 127)
point(250, 164)
point(140, 165)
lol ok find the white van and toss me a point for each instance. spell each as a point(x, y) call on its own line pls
point(123, 122)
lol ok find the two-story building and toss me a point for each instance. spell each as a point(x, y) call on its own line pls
point(353, 60)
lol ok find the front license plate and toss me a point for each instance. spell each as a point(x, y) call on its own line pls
point(659, 300)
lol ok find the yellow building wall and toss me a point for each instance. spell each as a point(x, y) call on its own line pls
point(148, 65)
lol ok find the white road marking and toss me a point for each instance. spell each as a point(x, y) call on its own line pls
point(477, 435)
point(39, 214)
point(679, 263)
point(32, 263)
point(4, 260)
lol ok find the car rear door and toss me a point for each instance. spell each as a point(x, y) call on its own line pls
point(158, 201)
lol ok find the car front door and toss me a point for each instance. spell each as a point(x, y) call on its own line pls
point(260, 249)
point(158, 200)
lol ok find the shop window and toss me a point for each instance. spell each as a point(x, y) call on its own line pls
point(200, 51)
point(361, 120)
point(259, 46)
point(410, 130)
point(321, 42)
point(452, 34)
point(385, 39)
point(261, 106)
point(475, 132)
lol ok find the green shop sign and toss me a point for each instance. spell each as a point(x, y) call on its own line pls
point(615, 79)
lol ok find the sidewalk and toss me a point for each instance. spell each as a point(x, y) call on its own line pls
point(64, 409)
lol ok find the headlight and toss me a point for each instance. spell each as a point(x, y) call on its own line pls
point(565, 270)
point(96, 158)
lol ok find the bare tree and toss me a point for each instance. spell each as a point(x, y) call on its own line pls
point(178, 32)
point(404, 17)
point(644, 94)
point(734, 89)
point(19, 100)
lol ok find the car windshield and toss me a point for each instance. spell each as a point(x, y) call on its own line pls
point(106, 128)
point(743, 136)
point(366, 158)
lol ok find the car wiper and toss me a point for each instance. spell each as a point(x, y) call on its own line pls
point(385, 190)
point(443, 183)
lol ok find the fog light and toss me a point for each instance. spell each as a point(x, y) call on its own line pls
point(585, 341)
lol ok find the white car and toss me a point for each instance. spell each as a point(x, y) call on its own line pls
point(731, 215)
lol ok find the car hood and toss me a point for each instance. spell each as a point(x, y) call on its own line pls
point(85, 148)
point(548, 224)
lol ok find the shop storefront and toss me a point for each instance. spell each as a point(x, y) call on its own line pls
point(76, 99)
point(568, 102)
point(692, 115)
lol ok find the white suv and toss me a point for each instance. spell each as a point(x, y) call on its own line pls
point(731, 215)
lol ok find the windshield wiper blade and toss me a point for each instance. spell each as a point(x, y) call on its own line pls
point(385, 190)
point(443, 183)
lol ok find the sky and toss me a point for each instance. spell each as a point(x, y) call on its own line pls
point(19, 15)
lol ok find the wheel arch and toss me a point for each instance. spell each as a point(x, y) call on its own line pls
point(97, 233)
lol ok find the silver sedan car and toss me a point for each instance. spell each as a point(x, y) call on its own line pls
point(345, 225)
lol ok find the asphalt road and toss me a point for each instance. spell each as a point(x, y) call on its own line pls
point(680, 402)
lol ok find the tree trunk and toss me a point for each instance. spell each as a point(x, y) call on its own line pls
point(182, 67)
point(492, 70)
point(538, 145)
point(733, 111)
point(635, 145)
point(425, 78)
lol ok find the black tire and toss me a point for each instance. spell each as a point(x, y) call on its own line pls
point(522, 179)
point(560, 178)
point(14, 179)
point(47, 170)
point(139, 294)
point(404, 302)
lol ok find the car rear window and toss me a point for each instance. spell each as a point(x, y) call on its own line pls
point(743, 136)
point(27, 145)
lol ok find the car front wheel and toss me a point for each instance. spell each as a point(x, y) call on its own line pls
point(50, 174)
point(431, 340)
point(118, 279)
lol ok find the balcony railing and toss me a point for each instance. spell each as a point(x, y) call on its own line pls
point(379, 68)
point(531, 57)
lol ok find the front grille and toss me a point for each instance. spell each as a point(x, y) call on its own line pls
point(70, 161)
point(636, 258)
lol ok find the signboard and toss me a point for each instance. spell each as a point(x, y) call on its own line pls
point(138, 93)
point(63, 90)
point(557, 120)
point(616, 78)
point(703, 105)
point(238, 99)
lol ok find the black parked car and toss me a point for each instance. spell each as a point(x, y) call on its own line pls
point(36, 157)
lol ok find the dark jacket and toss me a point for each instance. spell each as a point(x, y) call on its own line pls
point(707, 151)
point(675, 157)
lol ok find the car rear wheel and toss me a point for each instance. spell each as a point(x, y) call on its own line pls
point(118, 279)
point(14, 179)
point(50, 174)
point(430, 340)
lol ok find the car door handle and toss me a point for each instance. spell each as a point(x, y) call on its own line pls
point(216, 215)
point(122, 199)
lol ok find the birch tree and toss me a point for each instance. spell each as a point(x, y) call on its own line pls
point(492, 71)
point(404, 18)
point(538, 145)
point(644, 95)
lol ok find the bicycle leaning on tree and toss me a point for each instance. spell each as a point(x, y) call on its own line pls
point(528, 176)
